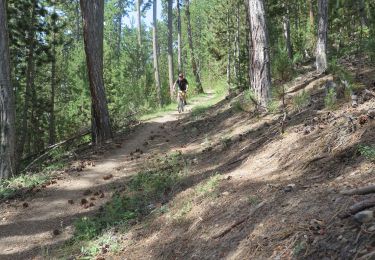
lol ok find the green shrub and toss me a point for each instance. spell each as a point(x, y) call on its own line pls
point(330, 99)
point(301, 100)
point(368, 152)
point(145, 188)
point(282, 66)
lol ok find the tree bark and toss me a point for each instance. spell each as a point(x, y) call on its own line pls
point(321, 48)
point(248, 41)
point(229, 54)
point(237, 43)
point(139, 21)
point(170, 46)
point(286, 26)
point(30, 71)
point(311, 14)
point(155, 50)
point(192, 53)
point(362, 13)
point(78, 21)
point(52, 124)
point(260, 63)
point(7, 105)
point(179, 37)
point(119, 29)
point(93, 18)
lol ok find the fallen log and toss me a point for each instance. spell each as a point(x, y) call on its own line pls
point(359, 191)
point(359, 206)
point(239, 222)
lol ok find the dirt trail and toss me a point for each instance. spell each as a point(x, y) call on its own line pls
point(27, 226)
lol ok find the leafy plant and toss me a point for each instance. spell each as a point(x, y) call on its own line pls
point(148, 186)
point(301, 100)
point(209, 187)
point(330, 99)
point(368, 152)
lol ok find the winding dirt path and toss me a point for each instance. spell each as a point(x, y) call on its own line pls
point(27, 231)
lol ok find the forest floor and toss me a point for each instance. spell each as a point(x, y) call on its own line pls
point(236, 187)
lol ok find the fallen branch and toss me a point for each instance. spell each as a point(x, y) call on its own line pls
point(50, 148)
point(359, 191)
point(239, 222)
point(362, 205)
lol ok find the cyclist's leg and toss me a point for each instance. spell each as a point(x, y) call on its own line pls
point(185, 96)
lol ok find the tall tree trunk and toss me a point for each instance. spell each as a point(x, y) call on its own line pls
point(52, 124)
point(260, 63)
point(362, 13)
point(93, 18)
point(311, 14)
point(179, 37)
point(192, 53)
point(321, 48)
point(286, 26)
point(7, 105)
point(78, 21)
point(229, 46)
point(249, 41)
point(238, 43)
point(30, 71)
point(139, 22)
point(170, 46)
point(156, 55)
point(119, 29)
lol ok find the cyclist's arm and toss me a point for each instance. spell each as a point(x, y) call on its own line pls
point(187, 86)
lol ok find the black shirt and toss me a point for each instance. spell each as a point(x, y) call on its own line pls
point(182, 84)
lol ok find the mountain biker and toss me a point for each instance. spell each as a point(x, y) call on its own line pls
point(183, 85)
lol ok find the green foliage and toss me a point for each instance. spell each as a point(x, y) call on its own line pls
point(282, 66)
point(145, 188)
point(301, 100)
point(273, 106)
point(209, 187)
point(368, 152)
point(330, 99)
point(253, 199)
point(13, 186)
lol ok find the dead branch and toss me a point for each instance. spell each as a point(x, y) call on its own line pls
point(359, 191)
point(239, 222)
point(359, 206)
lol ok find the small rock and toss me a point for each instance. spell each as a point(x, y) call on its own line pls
point(101, 195)
point(229, 178)
point(371, 113)
point(364, 216)
point(70, 201)
point(56, 232)
point(84, 201)
point(91, 204)
point(25, 205)
point(307, 130)
point(225, 193)
point(289, 187)
point(107, 177)
point(371, 229)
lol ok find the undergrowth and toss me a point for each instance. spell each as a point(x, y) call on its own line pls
point(153, 184)
point(13, 186)
point(368, 152)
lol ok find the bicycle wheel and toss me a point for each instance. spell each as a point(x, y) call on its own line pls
point(180, 105)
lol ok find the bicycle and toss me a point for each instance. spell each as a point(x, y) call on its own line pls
point(181, 101)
